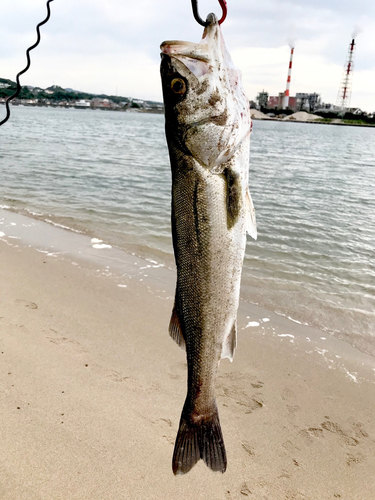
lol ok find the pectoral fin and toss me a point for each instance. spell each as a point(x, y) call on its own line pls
point(175, 330)
point(230, 343)
point(251, 224)
point(234, 197)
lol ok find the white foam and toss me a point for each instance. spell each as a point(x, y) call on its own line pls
point(101, 245)
point(96, 240)
point(252, 323)
point(351, 375)
point(295, 321)
point(62, 226)
point(2, 234)
point(123, 286)
point(286, 335)
point(265, 320)
point(321, 351)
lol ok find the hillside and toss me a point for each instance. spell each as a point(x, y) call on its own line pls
point(56, 94)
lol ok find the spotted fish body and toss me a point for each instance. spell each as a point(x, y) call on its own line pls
point(207, 123)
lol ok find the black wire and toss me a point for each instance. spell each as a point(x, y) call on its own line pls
point(27, 66)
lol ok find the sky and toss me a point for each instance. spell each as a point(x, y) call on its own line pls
point(112, 46)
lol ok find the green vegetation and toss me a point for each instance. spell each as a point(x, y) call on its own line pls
point(348, 118)
point(7, 88)
point(55, 94)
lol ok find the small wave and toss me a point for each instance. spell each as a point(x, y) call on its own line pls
point(56, 224)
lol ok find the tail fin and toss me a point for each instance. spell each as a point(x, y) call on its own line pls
point(196, 440)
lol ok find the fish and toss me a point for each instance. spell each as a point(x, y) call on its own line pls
point(207, 127)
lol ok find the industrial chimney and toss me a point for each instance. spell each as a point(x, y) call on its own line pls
point(286, 96)
point(345, 90)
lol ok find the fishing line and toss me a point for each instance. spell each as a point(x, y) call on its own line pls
point(19, 88)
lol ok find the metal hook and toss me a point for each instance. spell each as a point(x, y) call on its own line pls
point(197, 17)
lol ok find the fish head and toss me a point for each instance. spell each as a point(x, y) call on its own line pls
point(206, 109)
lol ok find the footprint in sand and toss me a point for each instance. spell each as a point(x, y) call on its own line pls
point(116, 376)
point(245, 490)
point(66, 342)
point(248, 448)
point(27, 304)
point(231, 387)
point(290, 447)
point(345, 435)
point(292, 409)
point(336, 429)
point(354, 459)
point(288, 395)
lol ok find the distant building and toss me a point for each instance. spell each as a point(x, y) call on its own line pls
point(262, 99)
point(307, 102)
point(276, 102)
point(102, 103)
point(292, 103)
point(82, 104)
point(273, 101)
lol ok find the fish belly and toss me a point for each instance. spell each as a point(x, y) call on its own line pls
point(209, 254)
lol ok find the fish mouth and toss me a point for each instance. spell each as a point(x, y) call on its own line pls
point(194, 56)
point(177, 48)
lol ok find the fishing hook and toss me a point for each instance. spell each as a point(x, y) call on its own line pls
point(27, 66)
point(197, 17)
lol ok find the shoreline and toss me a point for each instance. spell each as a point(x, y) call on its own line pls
point(159, 112)
point(124, 269)
point(316, 122)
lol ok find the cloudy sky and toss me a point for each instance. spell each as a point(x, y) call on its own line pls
point(112, 46)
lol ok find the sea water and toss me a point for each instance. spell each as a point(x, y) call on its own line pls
point(107, 174)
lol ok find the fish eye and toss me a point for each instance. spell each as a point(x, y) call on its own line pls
point(178, 86)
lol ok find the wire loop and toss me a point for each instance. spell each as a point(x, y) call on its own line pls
point(19, 88)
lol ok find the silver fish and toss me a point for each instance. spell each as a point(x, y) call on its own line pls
point(207, 124)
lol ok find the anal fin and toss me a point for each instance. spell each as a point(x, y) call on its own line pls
point(230, 343)
point(175, 330)
point(251, 224)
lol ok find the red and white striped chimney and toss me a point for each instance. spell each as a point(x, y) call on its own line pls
point(286, 96)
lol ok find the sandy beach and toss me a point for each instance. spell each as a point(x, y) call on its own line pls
point(91, 390)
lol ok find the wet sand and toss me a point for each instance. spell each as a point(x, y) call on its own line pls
point(91, 390)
